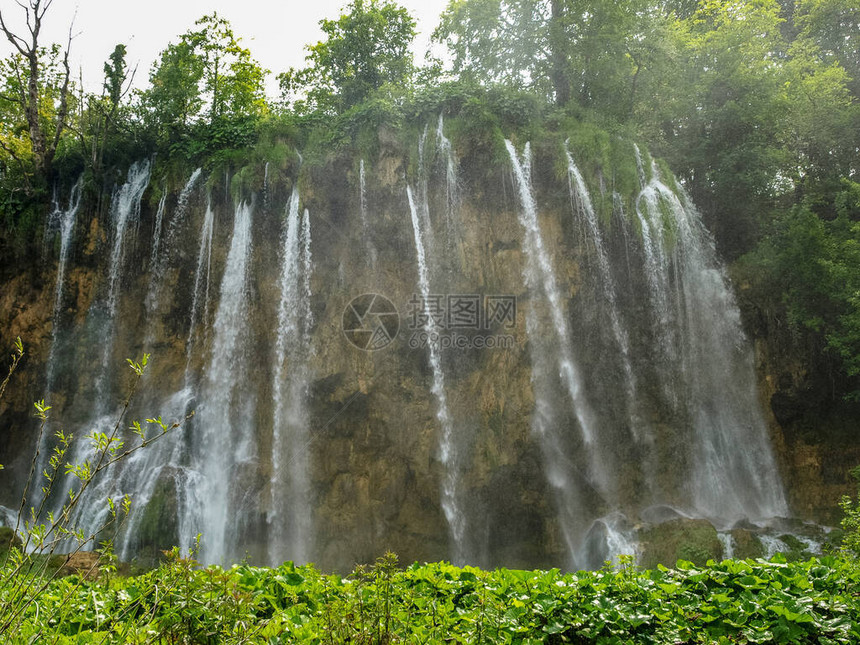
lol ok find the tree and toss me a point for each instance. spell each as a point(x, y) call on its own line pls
point(174, 98)
point(834, 26)
point(232, 79)
point(115, 75)
point(499, 41)
point(583, 50)
point(728, 116)
point(366, 48)
point(208, 73)
point(44, 111)
point(101, 119)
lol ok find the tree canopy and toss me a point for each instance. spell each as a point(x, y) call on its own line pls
point(36, 89)
point(366, 49)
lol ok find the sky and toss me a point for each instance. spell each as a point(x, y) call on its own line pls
point(276, 31)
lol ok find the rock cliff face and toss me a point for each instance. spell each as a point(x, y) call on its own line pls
point(575, 398)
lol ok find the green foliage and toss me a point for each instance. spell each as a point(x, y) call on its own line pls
point(115, 74)
point(232, 80)
point(851, 520)
point(814, 262)
point(834, 26)
point(366, 51)
point(206, 74)
point(30, 564)
point(22, 158)
point(599, 54)
point(174, 97)
point(748, 601)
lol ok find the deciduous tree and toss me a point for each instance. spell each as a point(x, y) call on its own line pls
point(39, 87)
point(366, 48)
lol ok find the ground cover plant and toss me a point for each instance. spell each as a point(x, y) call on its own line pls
point(752, 601)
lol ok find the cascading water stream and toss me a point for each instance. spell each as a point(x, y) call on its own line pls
point(540, 276)
point(156, 232)
point(159, 261)
point(734, 473)
point(289, 516)
point(581, 200)
point(92, 510)
point(607, 539)
point(224, 429)
point(452, 185)
point(266, 197)
point(664, 315)
point(64, 222)
point(451, 502)
point(165, 463)
point(125, 208)
point(202, 276)
point(551, 346)
point(423, 194)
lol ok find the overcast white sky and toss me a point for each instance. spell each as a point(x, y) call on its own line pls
point(275, 31)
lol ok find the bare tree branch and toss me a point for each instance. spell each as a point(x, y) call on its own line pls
point(17, 42)
point(64, 93)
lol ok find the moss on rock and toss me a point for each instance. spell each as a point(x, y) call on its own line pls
point(681, 539)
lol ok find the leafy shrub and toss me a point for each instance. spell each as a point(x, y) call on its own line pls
point(30, 564)
point(730, 602)
point(851, 520)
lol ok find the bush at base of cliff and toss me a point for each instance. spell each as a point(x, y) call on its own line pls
point(851, 521)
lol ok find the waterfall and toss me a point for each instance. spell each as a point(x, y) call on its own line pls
point(158, 262)
point(201, 289)
point(607, 539)
point(665, 315)
point(551, 348)
point(180, 210)
point(728, 543)
point(224, 428)
point(451, 502)
point(64, 222)
point(641, 409)
point(452, 186)
point(125, 208)
point(581, 200)
point(146, 474)
point(289, 516)
point(733, 473)
point(423, 196)
point(540, 276)
point(166, 460)
point(156, 232)
point(162, 464)
point(266, 198)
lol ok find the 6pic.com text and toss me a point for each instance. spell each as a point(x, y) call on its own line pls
point(461, 321)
